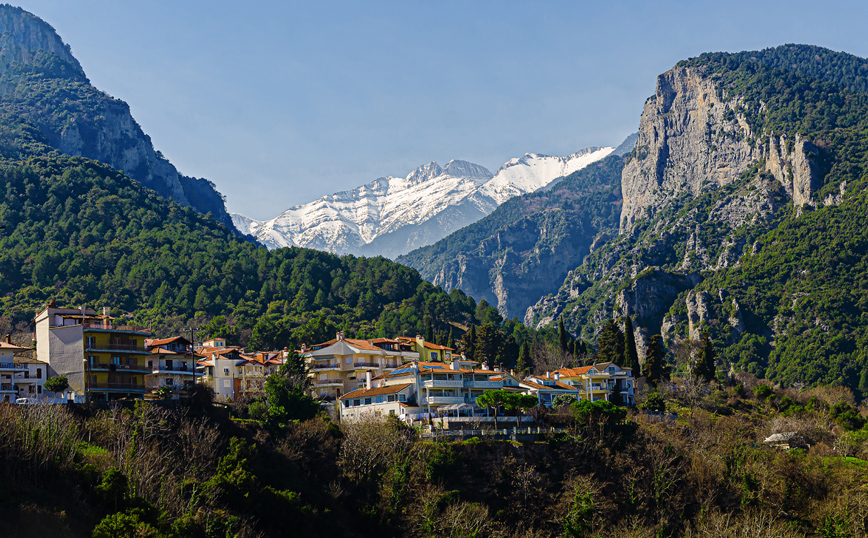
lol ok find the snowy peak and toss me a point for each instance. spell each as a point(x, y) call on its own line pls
point(424, 173)
point(480, 174)
point(391, 215)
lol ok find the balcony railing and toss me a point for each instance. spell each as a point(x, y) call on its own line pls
point(443, 400)
point(483, 384)
point(328, 382)
point(164, 368)
point(11, 366)
point(444, 383)
point(366, 365)
point(116, 386)
point(119, 367)
point(118, 347)
point(325, 367)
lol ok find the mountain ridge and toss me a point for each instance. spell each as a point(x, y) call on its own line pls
point(392, 215)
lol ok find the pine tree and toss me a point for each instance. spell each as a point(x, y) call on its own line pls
point(488, 343)
point(610, 343)
point(655, 368)
point(562, 336)
point(631, 356)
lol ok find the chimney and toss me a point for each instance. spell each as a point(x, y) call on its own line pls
point(557, 376)
point(8, 338)
point(485, 365)
point(496, 367)
point(455, 365)
point(368, 385)
point(339, 335)
point(105, 318)
point(303, 348)
point(548, 374)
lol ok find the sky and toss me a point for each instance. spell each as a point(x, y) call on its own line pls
point(281, 102)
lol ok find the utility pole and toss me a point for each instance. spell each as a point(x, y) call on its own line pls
point(192, 383)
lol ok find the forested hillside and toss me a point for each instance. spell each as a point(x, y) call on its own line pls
point(83, 233)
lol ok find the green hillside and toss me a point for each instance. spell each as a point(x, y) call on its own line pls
point(83, 233)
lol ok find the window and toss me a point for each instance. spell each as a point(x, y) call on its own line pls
point(150, 365)
point(39, 389)
point(225, 371)
point(379, 399)
point(357, 402)
point(170, 382)
point(39, 373)
point(91, 341)
point(391, 397)
point(225, 383)
point(433, 355)
point(402, 397)
point(116, 360)
point(392, 412)
point(169, 365)
point(367, 401)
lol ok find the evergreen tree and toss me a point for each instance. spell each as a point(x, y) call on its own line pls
point(524, 360)
point(468, 343)
point(631, 356)
point(450, 341)
point(488, 343)
point(429, 331)
point(562, 336)
point(610, 343)
point(655, 368)
point(705, 366)
point(863, 383)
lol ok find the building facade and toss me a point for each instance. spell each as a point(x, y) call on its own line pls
point(101, 360)
point(172, 364)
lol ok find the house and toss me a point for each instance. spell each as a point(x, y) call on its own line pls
point(11, 370)
point(172, 364)
point(547, 388)
point(230, 373)
point(100, 359)
point(428, 351)
point(339, 366)
point(601, 382)
point(425, 389)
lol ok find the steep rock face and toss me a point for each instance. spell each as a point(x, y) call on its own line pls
point(791, 164)
point(685, 142)
point(41, 81)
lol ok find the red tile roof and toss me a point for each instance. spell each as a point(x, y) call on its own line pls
point(13, 347)
point(165, 341)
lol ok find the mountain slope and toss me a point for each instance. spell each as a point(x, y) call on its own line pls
point(526, 247)
point(85, 234)
point(391, 216)
point(743, 214)
point(41, 81)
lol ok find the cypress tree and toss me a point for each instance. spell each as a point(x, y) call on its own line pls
point(631, 356)
point(562, 336)
point(655, 361)
point(524, 360)
point(429, 332)
point(610, 343)
point(450, 342)
point(706, 362)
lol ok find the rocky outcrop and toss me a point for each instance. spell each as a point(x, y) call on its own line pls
point(688, 140)
point(80, 120)
point(698, 307)
point(791, 164)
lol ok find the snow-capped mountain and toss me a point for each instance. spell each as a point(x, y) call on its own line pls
point(391, 216)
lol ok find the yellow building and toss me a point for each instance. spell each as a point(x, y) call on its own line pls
point(101, 360)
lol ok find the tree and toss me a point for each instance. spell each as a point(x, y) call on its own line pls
point(524, 360)
point(655, 360)
point(56, 384)
point(631, 356)
point(520, 402)
point(163, 393)
point(450, 341)
point(429, 331)
point(562, 336)
point(468, 343)
point(488, 343)
point(495, 399)
point(610, 343)
point(286, 391)
point(705, 366)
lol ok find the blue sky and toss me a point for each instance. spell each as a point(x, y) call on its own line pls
point(281, 102)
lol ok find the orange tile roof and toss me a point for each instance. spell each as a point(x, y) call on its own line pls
point(355, 342)
point(165, 341)
point(13, 347)
point(558, 386)
point(379, 391)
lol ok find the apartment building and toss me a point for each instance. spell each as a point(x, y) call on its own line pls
point(101, 360)
point(10, 370)
point(338, 367)
point(230, 373)
point(172, 364)
point(428, 351)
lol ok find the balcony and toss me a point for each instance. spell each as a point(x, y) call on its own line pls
point(125, 368)
point(128, 387)
point(444, 384)
point(174, 370)
point(443, 400)
point(366, 365)
point(10, 367)
point(483, 384)
point(328, 383)
point(129, 348)
point(321, 367)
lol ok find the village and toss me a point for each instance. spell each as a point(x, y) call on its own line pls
point(409, 378)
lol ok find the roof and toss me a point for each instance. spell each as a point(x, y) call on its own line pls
point(22, 360)
point(379, 391)
point(355, 342)
point(13, 347)
point(428, 345)
point(165, 341)
point(557, 386)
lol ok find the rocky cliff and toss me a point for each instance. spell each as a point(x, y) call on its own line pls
point(41, 81)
